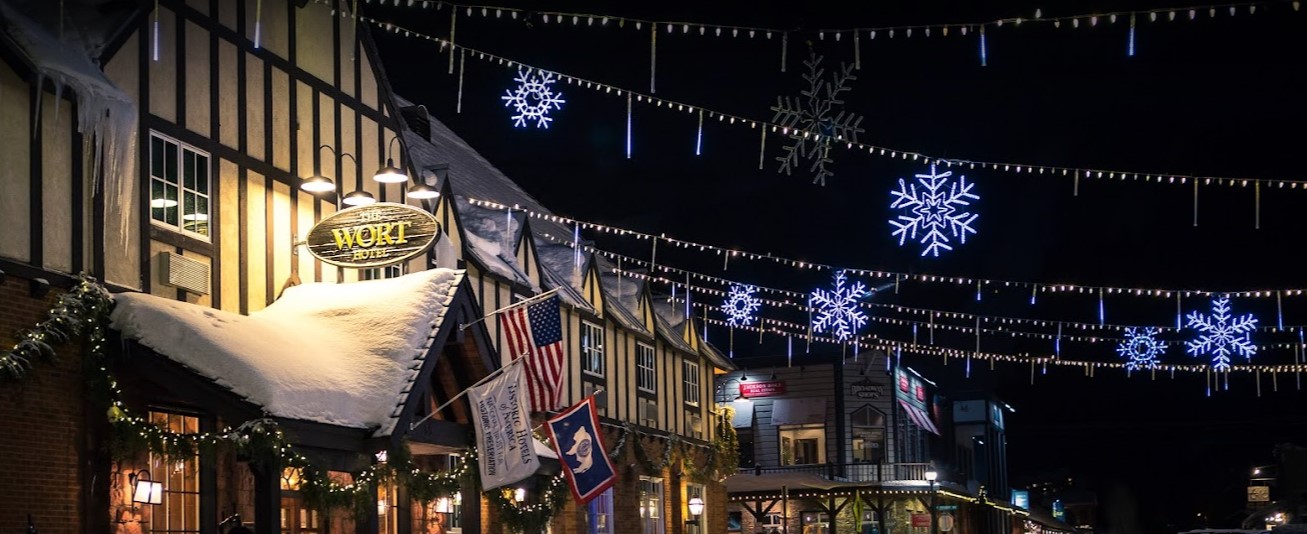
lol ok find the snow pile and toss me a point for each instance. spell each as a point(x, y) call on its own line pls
point(104, 112)
point(342, 354)
point(492, 237)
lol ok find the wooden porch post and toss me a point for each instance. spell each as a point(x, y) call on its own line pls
point(267, 497)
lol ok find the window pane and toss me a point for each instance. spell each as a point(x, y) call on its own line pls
point(156, 157)
point(170, 163)
point(170, 213)
point(157, 201)
point(201, 174)
point(188, 169)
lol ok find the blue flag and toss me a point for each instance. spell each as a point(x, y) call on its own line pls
point(575, 433)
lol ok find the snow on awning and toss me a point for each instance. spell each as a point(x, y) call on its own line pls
point(342, 354)
point(919, 417)
point(806, 411)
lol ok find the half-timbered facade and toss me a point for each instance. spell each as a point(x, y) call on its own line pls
point(653, 373)
point(165, 148)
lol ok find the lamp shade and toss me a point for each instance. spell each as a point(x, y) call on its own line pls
point(696, 506)
point(359, 198)
point(519, 494)
point(390, 174)
point(318, 184)
point(147, 491)
point(422, 192)
point(931, 476)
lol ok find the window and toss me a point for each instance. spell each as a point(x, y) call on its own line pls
point(592, 349)
point(179, 186)
point(868, 431)
point(691, 382)
point(813, 522)
point(599, 513)
point(773, 523)
point(296, 518)
point(591, 388)
point(648, 409)
point(651, 505)
point(803, 444)
point(694, 525)
point(694, 425)
point(645, 380)
point(868, 523)
point(180, 510)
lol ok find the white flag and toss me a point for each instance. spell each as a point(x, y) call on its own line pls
point(503, 429)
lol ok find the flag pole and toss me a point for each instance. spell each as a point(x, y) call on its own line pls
point(541, 296)
point(488, 377)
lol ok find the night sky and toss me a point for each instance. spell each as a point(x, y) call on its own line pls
point(1212, 97)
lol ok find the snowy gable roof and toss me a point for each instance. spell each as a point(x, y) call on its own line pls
point(342, 354)
point(491, 236)
point(562, 270)
point(672, 317)
point(623, 300)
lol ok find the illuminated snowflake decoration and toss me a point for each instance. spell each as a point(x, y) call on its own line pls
point(1221, 335)
point(741, 306)
point(933, 212)
point(836, 311)
point(1141, 349)
point(533, 98)
point(812, 122)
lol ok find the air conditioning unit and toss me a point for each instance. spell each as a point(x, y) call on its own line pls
point(649, 413)
point(185, 273)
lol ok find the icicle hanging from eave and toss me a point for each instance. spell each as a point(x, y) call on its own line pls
point(104, 112)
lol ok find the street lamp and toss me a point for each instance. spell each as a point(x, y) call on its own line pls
point(696, 509)
point(931, 477)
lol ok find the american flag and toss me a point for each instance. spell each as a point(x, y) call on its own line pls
point(535, 331)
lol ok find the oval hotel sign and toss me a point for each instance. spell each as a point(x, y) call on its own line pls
point(373, 236)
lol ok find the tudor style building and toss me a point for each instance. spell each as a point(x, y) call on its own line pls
point(164, 148)
point(179, 153)
point(653, 372)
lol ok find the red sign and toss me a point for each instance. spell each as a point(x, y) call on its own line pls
point(761, 389)
point(921, 520)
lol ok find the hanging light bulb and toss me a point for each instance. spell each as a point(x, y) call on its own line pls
point(423, 192)
point(318, 184)
point(359, 198)
point(390, 174)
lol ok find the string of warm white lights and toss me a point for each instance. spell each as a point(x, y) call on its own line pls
point(896, 277)
point(930, 327)
point(801, 305)
point(792, 331)
point(927, 30)
point(1075, 173)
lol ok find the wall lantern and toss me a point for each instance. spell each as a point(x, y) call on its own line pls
point(146, 491)
point(422, 192)
point(390, 174)
point(696, 507)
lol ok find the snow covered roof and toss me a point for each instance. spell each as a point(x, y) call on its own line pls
point(623, 302)
point(491, 236)
point(342, 354)
point(672, 316)
point(562, 271)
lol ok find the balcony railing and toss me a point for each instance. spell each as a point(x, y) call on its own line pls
point(855, 472)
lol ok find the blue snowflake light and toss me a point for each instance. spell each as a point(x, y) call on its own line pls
point(533, 98)
point(1221, 335)
point(741, 306)
point(836, 311)
point(934, 211)
point(1141, 349)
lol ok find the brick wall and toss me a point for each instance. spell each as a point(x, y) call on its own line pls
point(42, 418)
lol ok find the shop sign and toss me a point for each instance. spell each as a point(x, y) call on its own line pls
point(1259, 493)
point(867, 389)
point(921, 520)
point(762, 389)
point(945, 522)
point(373, 236)
point(1021, 499)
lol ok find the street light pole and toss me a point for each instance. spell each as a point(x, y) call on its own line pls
point(931, 476)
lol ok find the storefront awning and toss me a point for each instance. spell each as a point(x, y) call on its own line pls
point(811, 410)
point(743, 414)
point(919, 417)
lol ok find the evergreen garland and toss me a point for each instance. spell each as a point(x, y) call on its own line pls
point(75, 309)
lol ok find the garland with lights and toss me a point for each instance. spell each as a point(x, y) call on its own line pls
point(73, 313)
point(1075, 173)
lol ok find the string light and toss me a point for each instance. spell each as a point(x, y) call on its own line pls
point(898, 276)
point(1008, 167)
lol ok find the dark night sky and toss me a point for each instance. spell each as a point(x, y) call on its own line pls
point(1215, 97)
